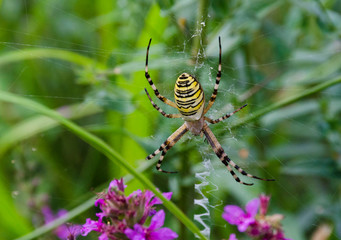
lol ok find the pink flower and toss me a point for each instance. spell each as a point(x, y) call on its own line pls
point(155, 231)
point(236, 216)
point(259, 226)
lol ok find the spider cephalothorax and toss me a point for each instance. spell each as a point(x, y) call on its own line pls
point(190, 101)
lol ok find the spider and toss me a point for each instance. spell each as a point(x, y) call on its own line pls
point(190, 101)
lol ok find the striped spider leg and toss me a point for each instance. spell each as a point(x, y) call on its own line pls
point(168, 144)
point(216, 86)
point(162, 98)
point(190, 102)
point(219, 151)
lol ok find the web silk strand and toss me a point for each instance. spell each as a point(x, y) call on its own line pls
point(203, 218)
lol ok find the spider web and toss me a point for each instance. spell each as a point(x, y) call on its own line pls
point(202, 201)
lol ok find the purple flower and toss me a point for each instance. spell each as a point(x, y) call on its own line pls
point(155, 231)
point(63, 231)
point(120, 213)
point(115, 203)
point(236, 216)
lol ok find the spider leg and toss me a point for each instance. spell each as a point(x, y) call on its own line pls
point(168, 144)
point(219, 151)
point(224, 117)
point(160, 110)
point(162, 98)
point(217, 81)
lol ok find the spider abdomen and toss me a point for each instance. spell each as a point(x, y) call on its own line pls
point(189, 97)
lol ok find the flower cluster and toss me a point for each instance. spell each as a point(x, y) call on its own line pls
point(123, 217)
point(259, 226)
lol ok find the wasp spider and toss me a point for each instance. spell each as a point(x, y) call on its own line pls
point(190, 101)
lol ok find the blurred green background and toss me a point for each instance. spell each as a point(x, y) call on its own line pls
point(86, 60)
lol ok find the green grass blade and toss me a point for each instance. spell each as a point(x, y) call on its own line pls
point(38, 53)
point(288, 101)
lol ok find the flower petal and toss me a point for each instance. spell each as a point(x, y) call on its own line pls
point(62, 231)
point(62, 213)
point(148, 195)
point(252, 207)
point(245, 223)
point(130, 233)
point(100, 216)
point(90, 225)
point(48, 214)
point(137, 193)
point(99, 202)
point(103, 236)
point(117, 184)
point(136, 234)
point(157, 220)
point(167, 195)
point(162, 234)
point(233, 214)
point(233, 237)
point(156, 200)
point(264, 203)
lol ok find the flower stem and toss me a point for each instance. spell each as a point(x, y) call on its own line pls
point(199, 39)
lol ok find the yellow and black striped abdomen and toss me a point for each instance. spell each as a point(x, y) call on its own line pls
point(189, 97)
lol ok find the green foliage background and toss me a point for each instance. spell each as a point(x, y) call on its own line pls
point(85, 59)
